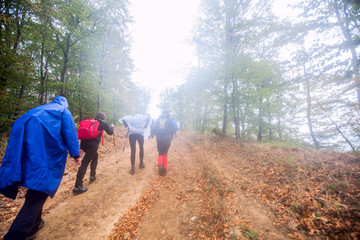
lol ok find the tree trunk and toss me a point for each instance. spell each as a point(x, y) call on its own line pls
point(234, 108)
point(279, 129)
point(43, 73)
point(270, 123)
point(309, 107)
point(104, 51)
point(225, 110)
point(100, 83)
point(339, 130)
point(259, 136)
point(204, 120)
point(66, 51)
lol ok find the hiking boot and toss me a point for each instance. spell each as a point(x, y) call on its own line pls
point(79, 190)
point(132, 171)
point(161, 170)
point(141, 165)
point(92, 178)
point(32, 235)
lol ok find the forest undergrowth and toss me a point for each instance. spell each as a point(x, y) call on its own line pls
point(314, 192)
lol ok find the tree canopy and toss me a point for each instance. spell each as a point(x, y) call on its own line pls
point(79, 49)
point(265, 78)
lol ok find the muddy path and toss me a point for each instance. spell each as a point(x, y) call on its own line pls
point(174, 211)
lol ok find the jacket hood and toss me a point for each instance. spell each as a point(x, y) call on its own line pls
point(61, 101)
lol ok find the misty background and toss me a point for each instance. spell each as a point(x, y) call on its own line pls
point(267, 71)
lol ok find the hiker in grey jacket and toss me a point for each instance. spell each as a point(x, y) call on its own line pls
point(164, 130)
point(136, 127)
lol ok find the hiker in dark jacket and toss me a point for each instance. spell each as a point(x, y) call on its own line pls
point(164, 131)
point(90, 147)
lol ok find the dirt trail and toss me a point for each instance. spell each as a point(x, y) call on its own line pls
point(173, 215)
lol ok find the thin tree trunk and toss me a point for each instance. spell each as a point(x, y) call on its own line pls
point(204, 120)
point(104, 51)
point(270, 123)
point(259, 136)
point(225, 110)
point(339, 131)
point(279, 129)
point(66, 52)
point(309, 108)
point(233, 103)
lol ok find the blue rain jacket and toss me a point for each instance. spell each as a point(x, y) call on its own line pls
point(175, 124)
point(36, 153)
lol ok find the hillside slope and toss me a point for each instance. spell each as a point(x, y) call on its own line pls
point(216, 188)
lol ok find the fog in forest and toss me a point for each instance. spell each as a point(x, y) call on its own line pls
point(256, 70)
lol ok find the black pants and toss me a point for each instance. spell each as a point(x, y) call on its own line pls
point(91, 156)
point(132, 139)
point(163, 145)
point(28, 219)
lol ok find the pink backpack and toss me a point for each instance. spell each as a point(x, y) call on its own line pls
point(88, 129)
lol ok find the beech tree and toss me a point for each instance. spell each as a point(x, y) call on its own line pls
point(329, 34)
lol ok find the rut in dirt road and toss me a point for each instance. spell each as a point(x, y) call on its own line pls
point(194, 202)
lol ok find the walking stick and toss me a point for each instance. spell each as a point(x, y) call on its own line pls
point(126, 137)
point(116, 160)
point(115, 147)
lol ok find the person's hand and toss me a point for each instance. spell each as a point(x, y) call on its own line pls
point(77, 160)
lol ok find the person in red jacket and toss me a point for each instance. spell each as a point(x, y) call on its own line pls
point(164, 131)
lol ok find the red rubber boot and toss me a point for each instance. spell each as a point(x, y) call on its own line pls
point(161, 164)
point(165, 163)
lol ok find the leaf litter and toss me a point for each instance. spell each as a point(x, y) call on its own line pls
point(313, 194)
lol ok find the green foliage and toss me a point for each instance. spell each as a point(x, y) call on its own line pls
point(249, 233)
point(79, 49)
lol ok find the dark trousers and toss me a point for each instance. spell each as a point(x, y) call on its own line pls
point(28, 219)
point(163, 145)
point(140, 139)
point(91, 156)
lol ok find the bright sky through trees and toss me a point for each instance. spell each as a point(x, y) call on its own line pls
point(161, 49)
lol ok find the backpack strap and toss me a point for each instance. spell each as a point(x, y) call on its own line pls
point(102, 137)
point(102, 131)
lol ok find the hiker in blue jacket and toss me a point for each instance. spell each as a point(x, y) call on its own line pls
point(90, 147)
point(35, 158)
point(164, 130)
point(136, 127)
point(175, 126)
